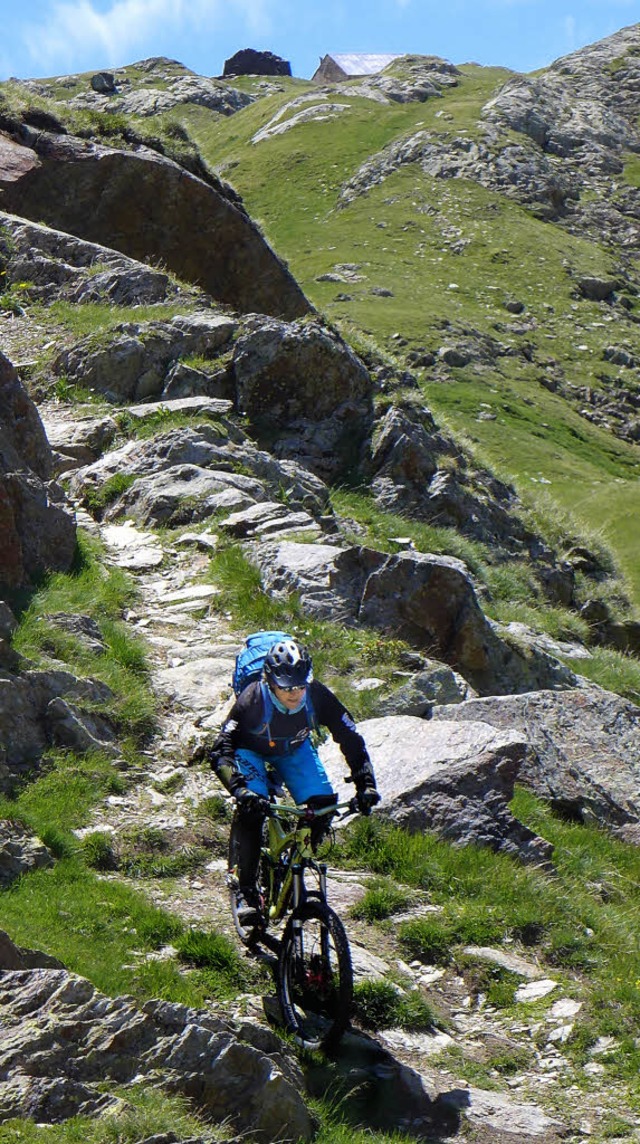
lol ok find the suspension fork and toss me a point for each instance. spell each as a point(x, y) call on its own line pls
point(298, 896)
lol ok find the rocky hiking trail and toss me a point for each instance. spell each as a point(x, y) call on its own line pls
point(191, 649)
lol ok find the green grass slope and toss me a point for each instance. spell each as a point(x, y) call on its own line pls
point(452, 255)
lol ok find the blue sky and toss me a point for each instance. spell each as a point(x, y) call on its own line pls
point(56, 37)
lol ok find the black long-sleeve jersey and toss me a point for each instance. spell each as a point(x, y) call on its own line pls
point(257, 725)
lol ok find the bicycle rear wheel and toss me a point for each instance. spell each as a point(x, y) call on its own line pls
point(315, 976)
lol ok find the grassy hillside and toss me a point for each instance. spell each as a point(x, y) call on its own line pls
point(452, 255)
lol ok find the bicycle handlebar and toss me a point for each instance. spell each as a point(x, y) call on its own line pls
point(309, 813)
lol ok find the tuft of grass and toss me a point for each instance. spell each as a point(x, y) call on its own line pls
point(216, 808)
point(381, 1005)
point(613, 670)
point(382, 898)
point(143, 1114)
point(211, 950)
point(61, 791)
point(99, 498)
point(98, 850)
point(93, 926)
point(150, 853)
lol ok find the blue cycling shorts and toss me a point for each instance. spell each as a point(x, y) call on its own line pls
point(301, 772)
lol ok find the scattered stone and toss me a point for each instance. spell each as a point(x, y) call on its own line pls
point(597, 289)
point(506, 960)
point(535, 990)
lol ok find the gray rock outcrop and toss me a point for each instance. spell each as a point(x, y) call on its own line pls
point(151, 209)
point(137, 361)
point(407, 80)
point(432, 777)
point(425, 599)
point(58, 265)
point(38, 708)
point(20, 853)
point(187, 475)
point(177, 91)
point(237, 1072)
point(36, 531)
point(585, 749)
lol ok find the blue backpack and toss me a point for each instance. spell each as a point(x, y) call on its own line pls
point(250, 661)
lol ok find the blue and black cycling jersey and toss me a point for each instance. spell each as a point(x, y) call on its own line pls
point(254, 723)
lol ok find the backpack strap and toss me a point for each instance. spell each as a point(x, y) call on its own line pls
point(267, 711)
point(311, 714)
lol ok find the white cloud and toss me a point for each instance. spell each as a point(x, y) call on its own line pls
point(75, 28)
point(570, 31)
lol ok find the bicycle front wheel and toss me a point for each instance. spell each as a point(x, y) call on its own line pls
point(315, 976)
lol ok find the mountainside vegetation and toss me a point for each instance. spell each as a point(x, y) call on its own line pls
point(414, 442)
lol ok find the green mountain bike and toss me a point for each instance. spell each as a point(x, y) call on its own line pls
point(314, 975)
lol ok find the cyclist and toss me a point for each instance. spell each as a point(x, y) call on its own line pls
point(270, 725)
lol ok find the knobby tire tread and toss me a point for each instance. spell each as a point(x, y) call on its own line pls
point(311, 1034)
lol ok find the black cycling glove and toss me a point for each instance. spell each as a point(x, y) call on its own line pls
point(366, 793)
point(367, 797)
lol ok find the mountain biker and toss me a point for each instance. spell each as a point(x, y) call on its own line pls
point(270, 724)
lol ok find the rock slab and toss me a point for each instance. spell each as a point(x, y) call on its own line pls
point(432, 777)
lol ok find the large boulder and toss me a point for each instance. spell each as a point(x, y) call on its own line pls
point(427, 600)
point(285, 371)
point(452, 778)
point(36, 533)
point(150, 208)
point(585, 749)
point(233, 1072)
point(305, 388)
point(32, 716)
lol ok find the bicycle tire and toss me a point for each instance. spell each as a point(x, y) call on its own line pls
point(315, 976)
point(249, 935)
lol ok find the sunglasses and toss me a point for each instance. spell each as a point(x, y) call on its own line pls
point(300, 687)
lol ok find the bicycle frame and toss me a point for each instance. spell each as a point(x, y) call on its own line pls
point(297, 841)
